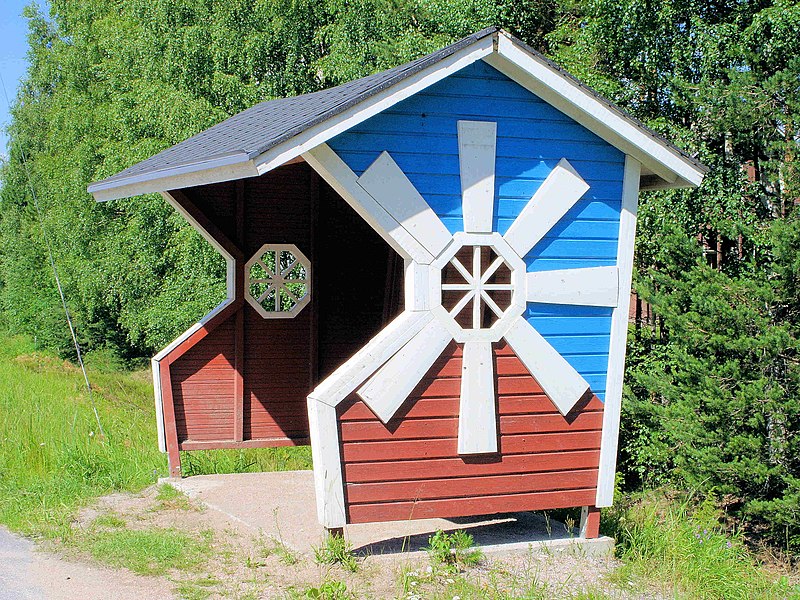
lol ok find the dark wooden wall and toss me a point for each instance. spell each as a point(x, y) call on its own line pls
point(245, 382)
point(411, 469)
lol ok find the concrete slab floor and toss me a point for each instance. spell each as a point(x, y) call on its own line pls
point(282, 505)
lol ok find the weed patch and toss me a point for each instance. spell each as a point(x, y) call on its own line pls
point(336, 551)
point(453, 551)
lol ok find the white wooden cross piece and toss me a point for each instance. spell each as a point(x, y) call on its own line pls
point(386, 371)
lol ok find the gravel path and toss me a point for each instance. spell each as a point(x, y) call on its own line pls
point(28, 574)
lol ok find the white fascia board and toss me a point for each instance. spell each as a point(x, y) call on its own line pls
point(619, 335)
point(536, 75)
point(373, 105)
point(226, 168)
point(155, 362)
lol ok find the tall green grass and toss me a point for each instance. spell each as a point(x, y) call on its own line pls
point(681, 546)
point(53, 458)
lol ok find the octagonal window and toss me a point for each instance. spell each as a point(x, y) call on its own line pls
point(279, 281)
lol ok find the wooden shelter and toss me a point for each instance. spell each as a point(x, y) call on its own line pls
point(429, 274)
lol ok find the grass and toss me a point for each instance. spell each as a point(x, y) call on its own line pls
point(336, 551)
point(155, 551)
point(683, 547)
point(452, 552)
point(53, 458)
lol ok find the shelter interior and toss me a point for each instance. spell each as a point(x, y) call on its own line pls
point(244, 382)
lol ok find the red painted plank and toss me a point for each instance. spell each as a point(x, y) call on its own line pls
point(450, 387)
point(484, 505)
point(448, 448)
point(433, 489)
point(448, 427)
point(458, 467)
point(254, 443)
point(448, 407)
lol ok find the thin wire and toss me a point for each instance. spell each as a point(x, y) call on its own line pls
point(55, 274)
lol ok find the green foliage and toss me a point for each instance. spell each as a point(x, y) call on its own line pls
point(712, 380)
point(110, 83)
point(682, 547)
point(712, 392)
point(336, 551)
point(452, 551)
point(328, 590)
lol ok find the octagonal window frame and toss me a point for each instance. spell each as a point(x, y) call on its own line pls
point(300, 260)
point(517, 305)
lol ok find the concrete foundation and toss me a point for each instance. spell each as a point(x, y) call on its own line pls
point(282, 505)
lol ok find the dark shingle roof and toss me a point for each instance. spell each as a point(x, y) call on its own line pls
point(265, 125)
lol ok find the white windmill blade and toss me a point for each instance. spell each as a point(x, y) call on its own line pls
point(592, 286)
point(559, 380)
point(477, 416)
point(385, 181)
point(558, 193)
point(477, 141)
point(386, 391)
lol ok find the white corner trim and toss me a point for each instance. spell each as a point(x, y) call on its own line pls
point(619, 335)
point(575, 101)
point(342, 179)
point(326, 457)
point(387, 390)
point(477, 144)
point(385, 181)
point(155, 362)
point(559, 379)
point(592, 286)
point(477, 412)
point(554, 198)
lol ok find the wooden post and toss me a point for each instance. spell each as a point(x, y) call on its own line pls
point(170, 429)
point(239, 333)
point(590, 522)
point(335, 531)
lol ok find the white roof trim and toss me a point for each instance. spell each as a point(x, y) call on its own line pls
point(564, 93)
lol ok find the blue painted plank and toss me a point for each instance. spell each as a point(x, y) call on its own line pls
point(550, 264)
point(421, 135)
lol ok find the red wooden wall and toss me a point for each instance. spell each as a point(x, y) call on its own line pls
point(242, 380)
point(411, 469)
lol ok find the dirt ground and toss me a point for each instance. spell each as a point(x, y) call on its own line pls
point(245, 564)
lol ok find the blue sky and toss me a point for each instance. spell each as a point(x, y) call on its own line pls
point(13, 47)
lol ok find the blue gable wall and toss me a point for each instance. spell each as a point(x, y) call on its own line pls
point(420, 133)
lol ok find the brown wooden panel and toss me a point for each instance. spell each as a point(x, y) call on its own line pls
point(455, 507)
point(457, 467)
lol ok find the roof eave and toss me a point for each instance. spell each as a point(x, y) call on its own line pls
point(208, 171)
point(214, 169)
